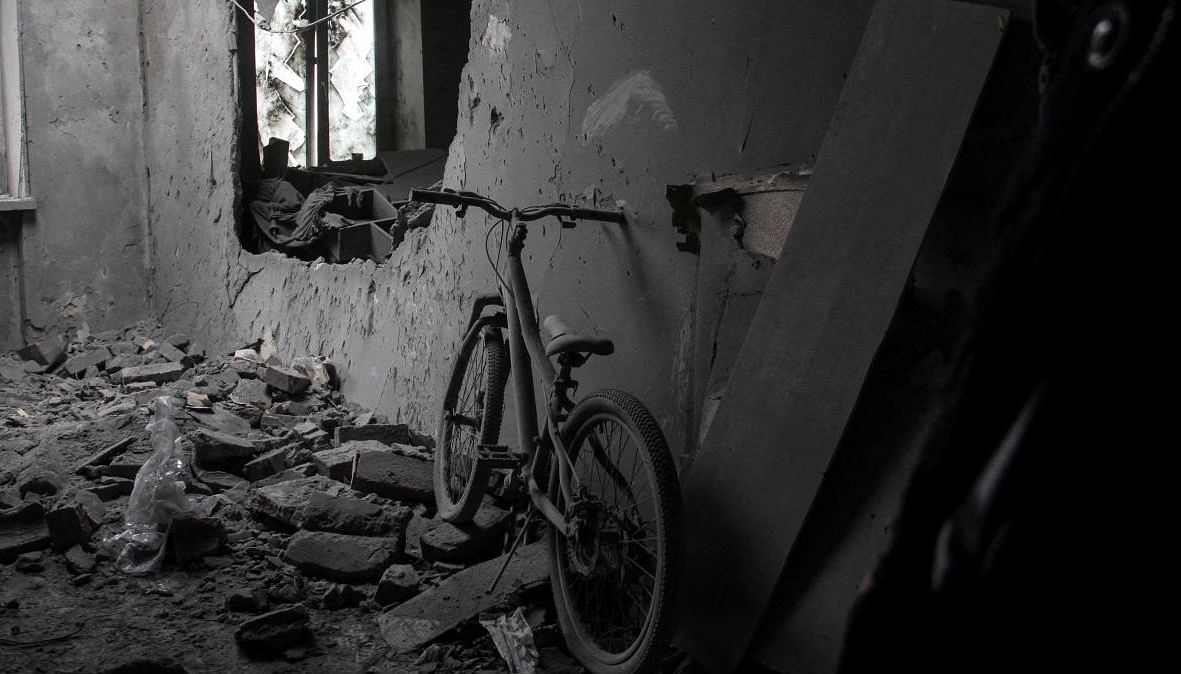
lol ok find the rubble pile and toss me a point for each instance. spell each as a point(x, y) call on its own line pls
point(299, 507)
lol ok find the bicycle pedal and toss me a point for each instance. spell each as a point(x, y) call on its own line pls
point(497, 457)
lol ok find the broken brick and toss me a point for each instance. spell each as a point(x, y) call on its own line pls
point(275, 631)
point(265, 464)
point(78, 365)
point(284, 378)
point(340, 557)
point(397, 584)
point(475, 541)
point(159, 373)
point(74, 519)
point(388, 434)
point(393, 476)
point(213, 449)
point(191, 538)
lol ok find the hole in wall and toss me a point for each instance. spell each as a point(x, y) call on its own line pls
point(329, 154)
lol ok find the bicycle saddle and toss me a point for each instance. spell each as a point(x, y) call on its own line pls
point(563, 339)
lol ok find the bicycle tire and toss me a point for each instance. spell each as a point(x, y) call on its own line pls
point(644, 652)
point(458, 497)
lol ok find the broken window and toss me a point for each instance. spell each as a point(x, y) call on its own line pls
point(354, 104)
point(14, 189)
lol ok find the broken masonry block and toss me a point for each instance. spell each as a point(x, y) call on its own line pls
point(305, 428)
point(171, 353)
point(214, 448)
point(337, 463)
point(340, 557)
point(48, 352)
point(398, 583)
point(348, 515)
point(191, 538)
point(79, 561)
point(271, 420)
point(78, 365)
point(285, 502)
point(461, 597)
point(246, 601)
point(284, 378)
point(251, 392)
point(338, 596)
point(17, 538)
point(158, 373)
point(274, 632)
point(109, 487)
point(104, 456)
point(39, 479)
point(265, 464)
point(127, 466)
point(74, 519)
point(393, 476)
point(302, 470)
point(475, 541)
point(389, 434)
point(179, 340)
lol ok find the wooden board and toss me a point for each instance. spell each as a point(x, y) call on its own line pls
point(461, 597)
point(893, 138)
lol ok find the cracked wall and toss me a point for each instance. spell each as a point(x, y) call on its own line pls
point(81, 252)
point(566, 100)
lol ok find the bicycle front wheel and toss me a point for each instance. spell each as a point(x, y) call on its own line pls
point(615, 577)
point(472, 409)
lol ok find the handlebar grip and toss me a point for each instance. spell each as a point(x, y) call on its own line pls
point(436, 197)
point(616, 216)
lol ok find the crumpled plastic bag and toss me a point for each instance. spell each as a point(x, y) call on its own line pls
point(513, 639)
point(156, 499)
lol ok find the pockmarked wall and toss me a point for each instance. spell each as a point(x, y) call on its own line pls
point(82, 256)
point(591, 102)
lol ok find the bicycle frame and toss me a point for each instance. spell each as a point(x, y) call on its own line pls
point(527, 358)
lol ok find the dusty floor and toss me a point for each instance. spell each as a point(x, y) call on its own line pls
point(68, 609)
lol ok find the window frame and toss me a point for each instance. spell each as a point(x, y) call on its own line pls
point(14, 179)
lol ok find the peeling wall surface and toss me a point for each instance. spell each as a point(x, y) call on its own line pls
point(82, 249)
point(573, 102)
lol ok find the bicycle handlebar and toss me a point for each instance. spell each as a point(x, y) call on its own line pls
point(464, 199)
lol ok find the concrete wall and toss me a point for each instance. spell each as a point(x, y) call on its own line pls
point(82, 254)
point(565, 103)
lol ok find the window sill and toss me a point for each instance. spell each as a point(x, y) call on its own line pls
point(8, 203)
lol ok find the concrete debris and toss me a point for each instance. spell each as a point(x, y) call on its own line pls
point(473, 542)
point(297, 500)
point(389, 434)
point(191, 538)
point(214, 449)
point(337, 463)
point(157, 374)
point(392, 475)
point(247, 601)
point(109, 487)
point(79, 561)
point(285, 379)
point(399, 583)
point(340, 557)
point(74, 519)
point(77, 365)
point(276, 631)
point(461, 597)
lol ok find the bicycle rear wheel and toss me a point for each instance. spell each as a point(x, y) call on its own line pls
point(615, 578)
point(472, 409)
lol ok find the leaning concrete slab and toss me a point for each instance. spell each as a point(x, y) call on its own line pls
point(461, 597)
point(894, 135)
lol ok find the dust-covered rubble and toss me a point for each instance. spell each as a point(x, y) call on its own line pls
point(305, 517)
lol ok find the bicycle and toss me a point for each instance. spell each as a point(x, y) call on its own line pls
point(614, 516)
